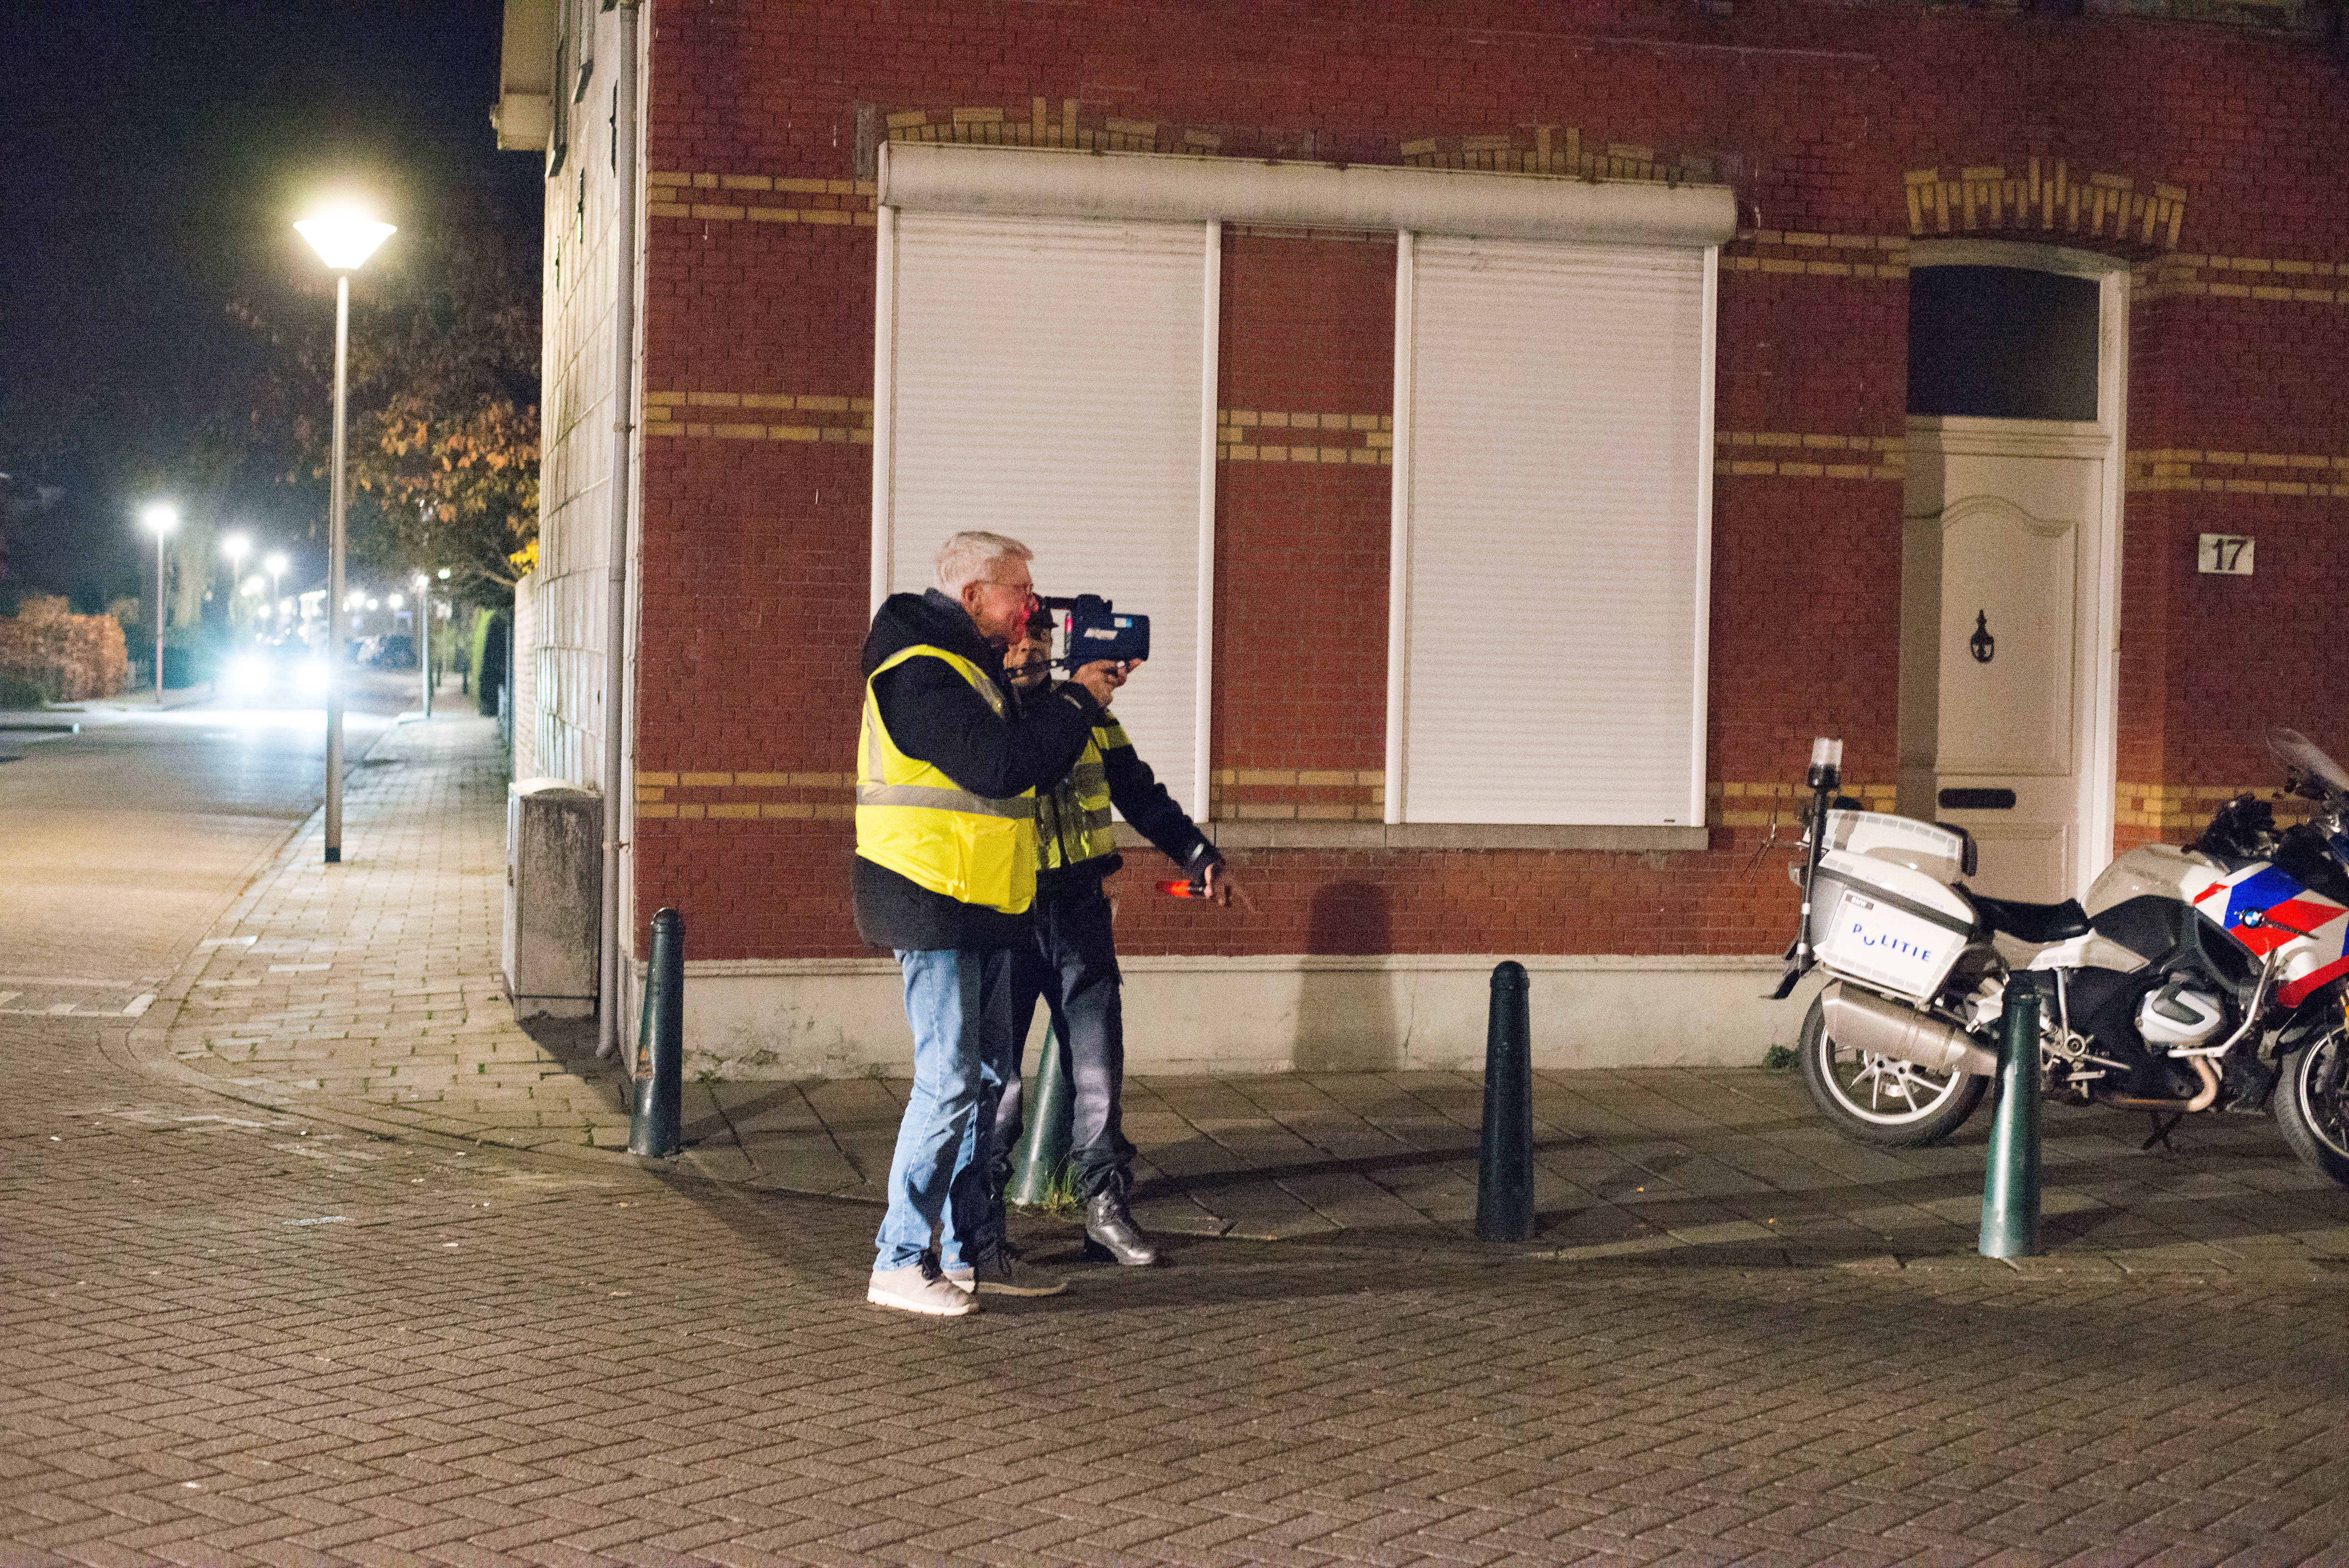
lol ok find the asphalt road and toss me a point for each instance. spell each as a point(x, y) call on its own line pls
point(121, 845)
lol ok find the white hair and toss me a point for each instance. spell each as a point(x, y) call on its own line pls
point(966, 558)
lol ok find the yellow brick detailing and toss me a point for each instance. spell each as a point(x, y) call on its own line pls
point(2241, 277)
point(760, 198)
point(1256, 436)
point(1046, 122)
point(1797, 253)
point(1561, 150)
point(1297, 795)
point(1787, 454)
point(1732, 805)
point(2044, 199)
point(746, 417)
point(2175, 808)
point(1345, 794)
point(746, 797)
point(2239, 473)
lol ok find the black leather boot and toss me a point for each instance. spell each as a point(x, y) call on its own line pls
point(1110, 1232)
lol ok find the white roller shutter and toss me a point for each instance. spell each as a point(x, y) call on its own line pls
point(1552, 533)
point(1042, 378)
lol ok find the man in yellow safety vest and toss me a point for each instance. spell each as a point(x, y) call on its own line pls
point(946, 775)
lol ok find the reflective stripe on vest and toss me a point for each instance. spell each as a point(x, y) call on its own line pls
point(914, 819)
point(1074, 824)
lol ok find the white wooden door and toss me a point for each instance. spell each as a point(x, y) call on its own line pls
point(2011, 520)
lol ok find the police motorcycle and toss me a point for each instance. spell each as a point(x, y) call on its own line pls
point(2207, 978)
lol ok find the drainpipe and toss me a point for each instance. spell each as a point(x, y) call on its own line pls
point(615, 614)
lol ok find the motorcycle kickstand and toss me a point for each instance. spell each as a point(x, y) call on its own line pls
point(2161, 1131)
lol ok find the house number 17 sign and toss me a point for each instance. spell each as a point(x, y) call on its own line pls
point(2228, 554)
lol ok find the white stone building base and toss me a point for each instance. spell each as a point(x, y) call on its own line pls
point(843, 1017)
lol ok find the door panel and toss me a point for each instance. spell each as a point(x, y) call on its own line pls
point(2014, 534)
point(2006, 640)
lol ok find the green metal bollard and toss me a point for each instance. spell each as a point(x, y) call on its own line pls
point(1505, 1162)
point(1047, 1126)
point(2010, 1215)
point(653, 1130)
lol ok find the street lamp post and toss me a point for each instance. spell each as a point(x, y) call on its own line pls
point(424, 606)
point(423, 636)
point(277, 567)
point(163, 517)
point(344, 239)
point(235, 547)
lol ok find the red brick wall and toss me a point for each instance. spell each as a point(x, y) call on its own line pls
point(1301, 551)
point(755, 566)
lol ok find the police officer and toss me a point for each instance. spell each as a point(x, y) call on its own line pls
point(946, 776)
point(1071, 962)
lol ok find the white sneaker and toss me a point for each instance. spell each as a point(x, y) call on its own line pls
point(962, 1276)
point(918, 1287)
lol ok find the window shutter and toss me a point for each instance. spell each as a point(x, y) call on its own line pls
point(1043, 381)
point(1553, 533)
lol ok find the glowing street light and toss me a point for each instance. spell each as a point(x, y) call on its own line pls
point(163, 517)
point(344, 237)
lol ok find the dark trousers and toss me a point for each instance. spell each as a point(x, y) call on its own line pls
point(1073, 965)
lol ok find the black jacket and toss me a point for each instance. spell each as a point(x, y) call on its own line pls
point(934, 714)
point(1142, 800)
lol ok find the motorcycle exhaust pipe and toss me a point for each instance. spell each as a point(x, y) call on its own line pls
point(2203, 1100)
point(1867, 1022)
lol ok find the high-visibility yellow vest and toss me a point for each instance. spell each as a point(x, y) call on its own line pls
point(1073, 823)
point(917, 822)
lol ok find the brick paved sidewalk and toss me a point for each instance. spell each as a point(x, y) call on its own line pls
point(368, 993)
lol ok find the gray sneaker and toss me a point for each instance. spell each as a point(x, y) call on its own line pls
point(919, 1287)
point(1002, 1273)
point(962, 1276)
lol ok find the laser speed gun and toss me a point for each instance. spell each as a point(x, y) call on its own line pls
point(1086, 630)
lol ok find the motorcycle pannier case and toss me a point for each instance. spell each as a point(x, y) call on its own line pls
point(1882, 910)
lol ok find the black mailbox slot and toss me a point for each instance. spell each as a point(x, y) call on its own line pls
point(1977, 799)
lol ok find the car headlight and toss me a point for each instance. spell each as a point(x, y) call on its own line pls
point(246, 675)
point(311, 678)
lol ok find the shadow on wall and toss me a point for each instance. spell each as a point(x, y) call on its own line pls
point(1345, 1017)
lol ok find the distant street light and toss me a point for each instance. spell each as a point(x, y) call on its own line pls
point(343, 238)
point(163, 517)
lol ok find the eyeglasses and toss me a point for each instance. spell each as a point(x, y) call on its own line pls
point(1027, 590)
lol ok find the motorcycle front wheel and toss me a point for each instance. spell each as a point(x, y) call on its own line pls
point(2311, 1107)
point(1882, 1100)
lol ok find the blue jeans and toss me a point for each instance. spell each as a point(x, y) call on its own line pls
point(959, 1004)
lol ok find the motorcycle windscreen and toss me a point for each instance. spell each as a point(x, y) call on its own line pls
point(2305, 757)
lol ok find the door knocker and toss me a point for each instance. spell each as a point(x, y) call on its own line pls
point(1984, 645)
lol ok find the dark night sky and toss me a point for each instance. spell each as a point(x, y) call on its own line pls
point(153, 161)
